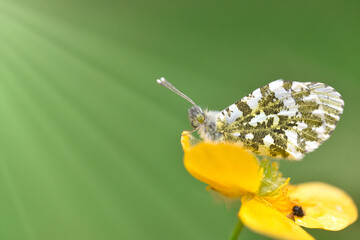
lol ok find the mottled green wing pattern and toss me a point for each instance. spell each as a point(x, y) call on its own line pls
point(283, 119)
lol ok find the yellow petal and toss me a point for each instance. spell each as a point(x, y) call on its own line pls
point(186, 141)
point(227, 168)
point(260, 217)
point(325, 206)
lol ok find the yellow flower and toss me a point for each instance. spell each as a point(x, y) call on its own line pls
point(278, 212)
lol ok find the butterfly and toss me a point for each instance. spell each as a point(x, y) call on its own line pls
point(282, 119)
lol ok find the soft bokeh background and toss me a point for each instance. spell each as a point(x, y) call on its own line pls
point(89, 143)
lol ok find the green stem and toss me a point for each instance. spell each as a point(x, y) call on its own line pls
point(237, 230)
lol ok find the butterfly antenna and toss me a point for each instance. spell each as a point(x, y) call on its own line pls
point(162, 81)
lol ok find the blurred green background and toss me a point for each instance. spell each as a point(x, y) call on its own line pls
point(89, 143)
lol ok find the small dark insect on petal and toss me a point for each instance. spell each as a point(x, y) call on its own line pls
point(298, 211)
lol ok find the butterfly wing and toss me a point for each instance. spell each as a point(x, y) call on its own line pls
point(283, 119)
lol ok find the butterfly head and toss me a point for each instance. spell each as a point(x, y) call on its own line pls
point(196, 116)
point(195, 113)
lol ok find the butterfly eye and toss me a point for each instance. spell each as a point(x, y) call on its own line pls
point(200, 118)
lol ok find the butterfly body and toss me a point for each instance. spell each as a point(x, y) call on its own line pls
point(280, 120)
